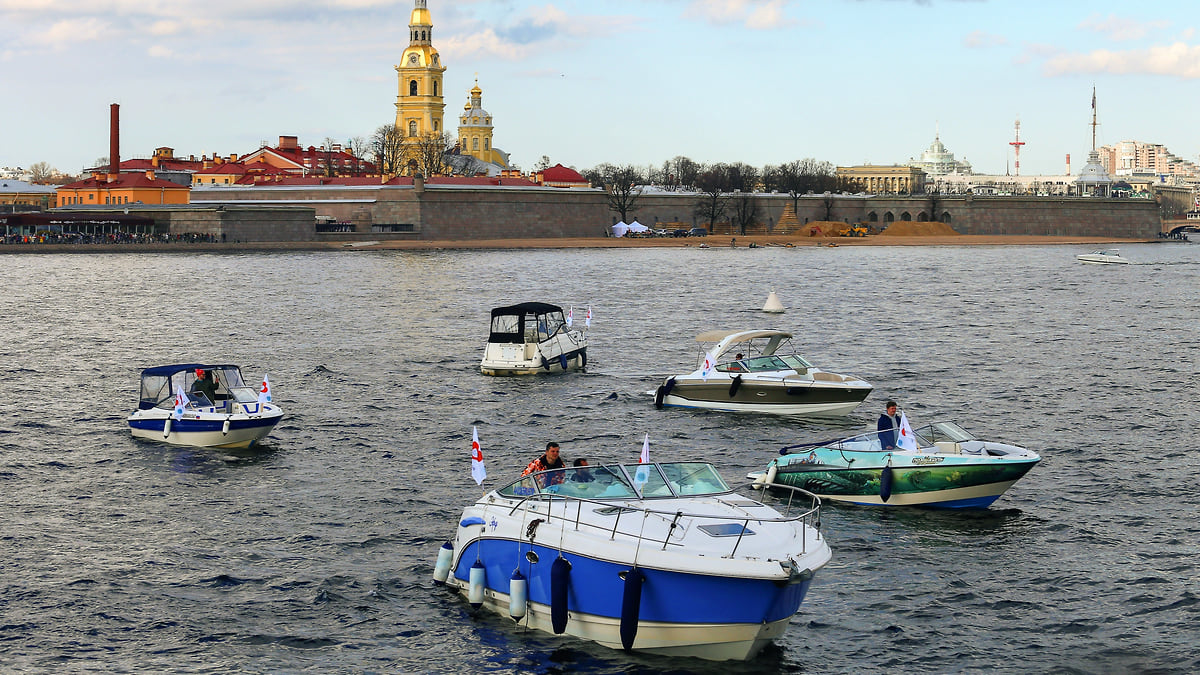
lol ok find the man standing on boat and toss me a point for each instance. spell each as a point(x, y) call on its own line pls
point(888, 427)
point(549, 460)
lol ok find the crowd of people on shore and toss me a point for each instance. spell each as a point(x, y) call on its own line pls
point(109, 238)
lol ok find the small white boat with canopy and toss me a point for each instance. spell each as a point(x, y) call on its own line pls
point(202, 405)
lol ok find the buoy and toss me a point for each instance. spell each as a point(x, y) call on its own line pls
point(631, 605)
point(562, 361)
point(773, 305)
point(560, 576)
point(475, 582)
point(441, 571)
point(518, 595)
point(225, 427)
point(167, 428)
point(735, 385)
point(885, 482)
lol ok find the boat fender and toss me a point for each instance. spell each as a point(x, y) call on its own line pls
point(562, 361)
point(518, 595)
point(885, 481)
point(167, 428)
point(631, 606)
point(560, 577)
point(225, 427)
point(475, 582)
point(772, 471)
point(441, 571)
point(545, 363)
point(735, 385)
point(473, 520)
point(663, 389)
point(583, 359)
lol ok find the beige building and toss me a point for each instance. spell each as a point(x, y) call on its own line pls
point(892, 179)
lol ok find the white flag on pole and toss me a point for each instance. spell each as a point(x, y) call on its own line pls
point(643, 471)
point(264, 392)
point(707, 368)
point(478, 472)
point(570, 317)
point(181, 401)
point(906, 439)
point(587, 319)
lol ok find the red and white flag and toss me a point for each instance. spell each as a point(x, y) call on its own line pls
point(570, 317)
point(643, 472)
point(181, 401)
point(478, 472)
point(587, 319)
point(264, 392)
point(707, 368)
point(905, 438)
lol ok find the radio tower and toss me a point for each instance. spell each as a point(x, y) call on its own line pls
point(1017, 149)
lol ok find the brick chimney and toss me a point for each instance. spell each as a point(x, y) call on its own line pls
point(114, 142)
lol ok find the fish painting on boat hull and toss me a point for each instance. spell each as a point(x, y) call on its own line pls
point(953, 486)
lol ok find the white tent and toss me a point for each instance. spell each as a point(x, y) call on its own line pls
point(620, 229)
point(635, 226)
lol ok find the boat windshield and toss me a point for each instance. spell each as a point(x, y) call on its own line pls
point(160, 384)
point(943, 431)
point(525, 327)
point(625, 481)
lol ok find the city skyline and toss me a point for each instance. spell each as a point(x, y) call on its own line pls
point(755, 81)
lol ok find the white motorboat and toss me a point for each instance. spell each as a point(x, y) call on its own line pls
point(758, 371)
point(1107, 256)
point(946, 467)
point(662, 558)
point(175, 408)
point(530, 338)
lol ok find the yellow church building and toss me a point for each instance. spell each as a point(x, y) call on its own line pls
point(420, 100)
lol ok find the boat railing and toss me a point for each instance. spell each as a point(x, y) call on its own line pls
point(809, 516)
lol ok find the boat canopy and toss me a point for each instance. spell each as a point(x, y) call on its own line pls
point(531, 322)
point(160, 382)
point(726, 339)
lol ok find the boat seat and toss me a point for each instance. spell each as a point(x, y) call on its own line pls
point(829, 377)
point(949, 447)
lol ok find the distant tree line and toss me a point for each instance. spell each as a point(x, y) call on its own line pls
point(725, 190)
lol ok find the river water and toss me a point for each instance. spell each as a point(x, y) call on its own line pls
point(314, 552)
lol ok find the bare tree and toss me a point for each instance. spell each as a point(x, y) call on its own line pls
point(358, 148)
point(542, 164)
point(713, 181)
point(828, 200)
point(430, 153)
point(329, 166)
point(623, 185)
point(743, 179)
point(40, 172)
point(387, 146)
point(684, 171)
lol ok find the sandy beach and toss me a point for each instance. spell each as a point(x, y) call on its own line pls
point(590, 242)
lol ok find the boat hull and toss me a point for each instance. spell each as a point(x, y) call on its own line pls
point(772, 397)
point(207, 431)
point(681, 614)
point(504, 367)
point(933, 481)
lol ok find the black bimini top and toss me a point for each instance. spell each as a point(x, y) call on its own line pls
point(527, 308)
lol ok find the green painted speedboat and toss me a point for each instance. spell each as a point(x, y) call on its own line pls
point(950, 468)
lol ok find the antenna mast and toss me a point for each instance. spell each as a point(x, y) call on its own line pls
point(1093, 117)
point(1017, 148)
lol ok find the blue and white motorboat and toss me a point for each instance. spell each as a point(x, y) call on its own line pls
point(948, 468)
point(662, 558)
point(175, 408)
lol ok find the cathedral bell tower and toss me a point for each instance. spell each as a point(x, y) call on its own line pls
point(419, 105)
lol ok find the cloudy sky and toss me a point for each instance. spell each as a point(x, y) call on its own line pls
point(622, 81)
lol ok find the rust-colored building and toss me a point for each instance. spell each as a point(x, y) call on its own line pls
point(122, 188)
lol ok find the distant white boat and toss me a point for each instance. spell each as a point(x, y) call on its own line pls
point(1107, 256)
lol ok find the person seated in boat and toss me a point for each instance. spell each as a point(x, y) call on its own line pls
point(888, 427)
point(206, 383)
point(549, 460)
point(581, 474)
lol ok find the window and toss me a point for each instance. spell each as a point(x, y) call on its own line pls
point(412, 128)
point(412, 88)
point(486, 142)
point(474, 143)
point(435, 88)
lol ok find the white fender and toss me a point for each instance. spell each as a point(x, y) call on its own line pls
point(225, 427)
point(441, 571)
point(771, 473)
point(475, 585)
point(518, 596)
point(167, 428)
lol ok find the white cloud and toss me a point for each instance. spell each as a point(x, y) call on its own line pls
point(160, 52)
point(1121, 29)
point(753, 14)
point(1179, 60)
point(979, 39)
point(70, 32)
